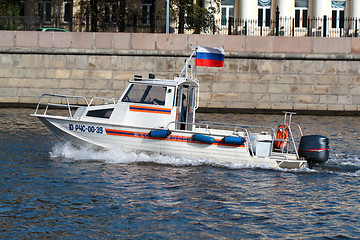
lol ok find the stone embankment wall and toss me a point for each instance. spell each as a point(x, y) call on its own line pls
point(260, 73)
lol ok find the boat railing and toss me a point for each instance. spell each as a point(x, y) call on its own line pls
point(177, 122)
point(288, 139)
point(104, 100)
point(234, 125)
point(235, 128)
point(245, 128)
point(226, 126)
point(62, 101)
point(289, 142)
point(69, 102)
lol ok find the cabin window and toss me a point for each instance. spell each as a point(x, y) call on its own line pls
point(101, 113)
point(145, 94)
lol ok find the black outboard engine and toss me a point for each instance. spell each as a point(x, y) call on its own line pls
point(315, 149)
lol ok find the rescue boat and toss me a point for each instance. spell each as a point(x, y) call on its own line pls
point(158, 116)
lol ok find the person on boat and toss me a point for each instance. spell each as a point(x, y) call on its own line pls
point(158, 102)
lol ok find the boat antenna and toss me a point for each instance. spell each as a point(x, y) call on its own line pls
point(186, 64)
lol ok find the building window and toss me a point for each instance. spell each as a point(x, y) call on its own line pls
point(227, 11)
point(67, 9)
point(338, 14)
point(44, 11)
point(146, 12)
point(301, 13)
point(264, 13)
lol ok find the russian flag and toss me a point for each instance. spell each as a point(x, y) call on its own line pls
point(210, 57)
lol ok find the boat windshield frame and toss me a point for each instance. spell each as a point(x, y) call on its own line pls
point(178, 81)
point(146, 94)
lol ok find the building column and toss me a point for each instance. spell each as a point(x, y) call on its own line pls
point(287, 12)
point(286, 8)
point(321, 8)
point(355, 9)
point(248, 9)
point(354, 15)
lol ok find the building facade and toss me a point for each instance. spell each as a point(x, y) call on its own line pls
point(297, 17)
point(78, 15)
point(326, 18)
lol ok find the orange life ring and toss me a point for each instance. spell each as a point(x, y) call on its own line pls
point(282, 133)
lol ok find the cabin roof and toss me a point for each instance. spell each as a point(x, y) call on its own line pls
point(163, 82)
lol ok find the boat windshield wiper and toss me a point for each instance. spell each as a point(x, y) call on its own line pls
point(146, 93)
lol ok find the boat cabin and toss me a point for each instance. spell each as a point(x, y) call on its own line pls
point(153, 103)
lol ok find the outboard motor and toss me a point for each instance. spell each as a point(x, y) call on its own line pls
point(315, 149)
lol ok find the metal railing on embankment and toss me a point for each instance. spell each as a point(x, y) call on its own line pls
point(290, 26)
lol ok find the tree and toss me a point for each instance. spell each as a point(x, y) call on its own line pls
point(102, 14)
point(94, 15)
point(194, 16)
point(10, 8)
point(122, 15)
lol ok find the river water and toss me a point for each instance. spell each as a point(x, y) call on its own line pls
point(51, 190)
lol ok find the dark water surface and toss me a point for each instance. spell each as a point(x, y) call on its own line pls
point(50, 190)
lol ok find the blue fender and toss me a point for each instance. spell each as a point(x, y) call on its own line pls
point(203, 138)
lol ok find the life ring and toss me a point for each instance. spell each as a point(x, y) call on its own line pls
point(282, 133)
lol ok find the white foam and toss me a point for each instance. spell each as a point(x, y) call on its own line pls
point(350, 174)
point(67, 152)
point(117, 155)
point(344, 159)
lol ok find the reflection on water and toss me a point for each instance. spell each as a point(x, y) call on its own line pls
point(53, 190)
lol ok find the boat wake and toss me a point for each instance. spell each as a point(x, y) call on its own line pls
point(343, 164)
point(71, 153)
point(340, 164)
point(345, 159)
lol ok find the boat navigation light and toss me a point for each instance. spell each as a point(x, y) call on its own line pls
point(137, 77)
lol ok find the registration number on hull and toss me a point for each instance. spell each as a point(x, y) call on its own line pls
point(84, 128)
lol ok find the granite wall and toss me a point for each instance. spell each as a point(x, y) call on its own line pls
point(264, 73)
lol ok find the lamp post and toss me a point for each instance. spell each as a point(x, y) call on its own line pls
point(167, 16)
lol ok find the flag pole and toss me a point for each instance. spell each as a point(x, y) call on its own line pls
point(197, 44)
point(186, 64)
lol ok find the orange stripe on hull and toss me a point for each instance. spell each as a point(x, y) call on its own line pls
point(150, 109)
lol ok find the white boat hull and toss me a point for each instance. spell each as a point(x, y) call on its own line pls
point(179, 143)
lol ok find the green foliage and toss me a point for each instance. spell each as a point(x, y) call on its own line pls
point(99, 16)
point(128, 13)
point(195, 17)
point(9, 9)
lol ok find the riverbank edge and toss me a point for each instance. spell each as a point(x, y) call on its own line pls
point(229, 110)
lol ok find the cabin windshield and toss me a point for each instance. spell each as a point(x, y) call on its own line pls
point(145, 94)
